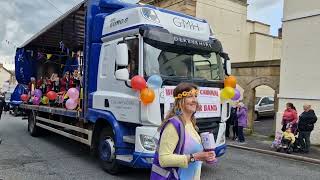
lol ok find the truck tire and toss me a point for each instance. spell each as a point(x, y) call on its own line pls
point(106, 152)
point(32, 128)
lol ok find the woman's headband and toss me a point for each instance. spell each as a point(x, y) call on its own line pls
point(193, 92)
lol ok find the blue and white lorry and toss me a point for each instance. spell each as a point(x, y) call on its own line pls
point(118, 40)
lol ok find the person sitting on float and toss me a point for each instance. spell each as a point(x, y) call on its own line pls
point(55, 82)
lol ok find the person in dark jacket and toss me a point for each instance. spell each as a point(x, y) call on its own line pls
point(2, 104)
point(231, 122)
point(307, 119)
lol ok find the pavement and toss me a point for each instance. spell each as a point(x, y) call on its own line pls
point(53, 157)
point(262, 144)
point(261, 141)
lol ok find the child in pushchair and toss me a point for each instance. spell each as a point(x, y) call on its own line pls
point(284, 141)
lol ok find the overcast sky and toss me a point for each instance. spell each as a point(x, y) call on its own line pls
point(20, 19)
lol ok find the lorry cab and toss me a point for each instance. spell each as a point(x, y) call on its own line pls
point(119, 40)
point(177, 47)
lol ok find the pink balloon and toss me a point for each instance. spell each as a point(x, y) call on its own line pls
point(71, 104)
point(36, 100)
point(73, 93)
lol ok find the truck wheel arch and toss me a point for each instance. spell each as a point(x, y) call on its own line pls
point(108, 121)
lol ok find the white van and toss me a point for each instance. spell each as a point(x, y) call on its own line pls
point(264, 107)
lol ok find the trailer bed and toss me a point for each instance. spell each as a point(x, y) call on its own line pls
point(53, 110)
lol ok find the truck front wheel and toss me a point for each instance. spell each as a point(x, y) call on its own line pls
point(106, 152)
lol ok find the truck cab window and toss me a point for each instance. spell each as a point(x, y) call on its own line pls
point(133, 66)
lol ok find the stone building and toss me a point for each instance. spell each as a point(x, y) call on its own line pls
point(300, 75)
point(7, 78)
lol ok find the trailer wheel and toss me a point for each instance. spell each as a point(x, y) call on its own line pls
point(106, 152)
point(32, 128)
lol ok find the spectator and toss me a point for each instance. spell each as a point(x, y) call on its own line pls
point(307, 119)
point(289, 118)
point(232, 121)
point(55, 82)
point(242, 121)
point(2, 104)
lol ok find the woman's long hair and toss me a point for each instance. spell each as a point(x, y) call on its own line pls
point(291, 106)
point(178, 104)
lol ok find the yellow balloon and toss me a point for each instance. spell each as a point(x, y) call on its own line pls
point(45, 100)
point(222, 100)
point(227, 93)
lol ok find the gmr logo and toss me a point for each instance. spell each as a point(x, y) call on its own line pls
point(186, 24)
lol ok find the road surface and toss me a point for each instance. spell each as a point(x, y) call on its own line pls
point(53, 157)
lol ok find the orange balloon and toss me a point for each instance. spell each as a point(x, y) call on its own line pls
point(230, 81)
point(147, 95)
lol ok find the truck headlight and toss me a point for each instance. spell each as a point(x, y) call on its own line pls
point(150, 14)
point(148, 142)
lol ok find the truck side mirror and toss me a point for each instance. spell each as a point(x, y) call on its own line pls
point(122, 74)
point(227, 63)
point(228, 67)
point(122, 55)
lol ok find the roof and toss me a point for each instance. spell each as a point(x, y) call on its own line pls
point(68, 28)
point(252, 21)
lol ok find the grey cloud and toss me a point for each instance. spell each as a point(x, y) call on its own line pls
point(20, 19)
point(262, 4)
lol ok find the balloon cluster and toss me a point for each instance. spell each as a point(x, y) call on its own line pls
point(146, 89)
point(73, 95)
point(38, 97)
point(35, 97)
point(229, 91)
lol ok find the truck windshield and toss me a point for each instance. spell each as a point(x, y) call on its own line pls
point(181, 64)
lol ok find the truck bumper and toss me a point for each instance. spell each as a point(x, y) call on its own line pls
point(139, 160)
point(220, 150)
point(142, 160)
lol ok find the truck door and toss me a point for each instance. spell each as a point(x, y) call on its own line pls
point(116, 95)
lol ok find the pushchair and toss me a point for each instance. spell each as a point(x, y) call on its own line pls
point(282, 144)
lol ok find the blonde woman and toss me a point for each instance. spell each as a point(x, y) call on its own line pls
point(180, 152)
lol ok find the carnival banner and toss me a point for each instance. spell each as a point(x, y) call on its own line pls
point(208, 98)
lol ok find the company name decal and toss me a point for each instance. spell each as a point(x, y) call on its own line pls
point(186, 24)
point(192, 41)
point(115, 22)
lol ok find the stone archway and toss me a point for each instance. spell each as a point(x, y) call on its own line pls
point(249, 96)
point(253, 74)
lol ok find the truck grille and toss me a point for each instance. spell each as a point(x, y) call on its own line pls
point(204, 124)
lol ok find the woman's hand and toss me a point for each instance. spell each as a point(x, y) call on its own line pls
point(204, 156)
